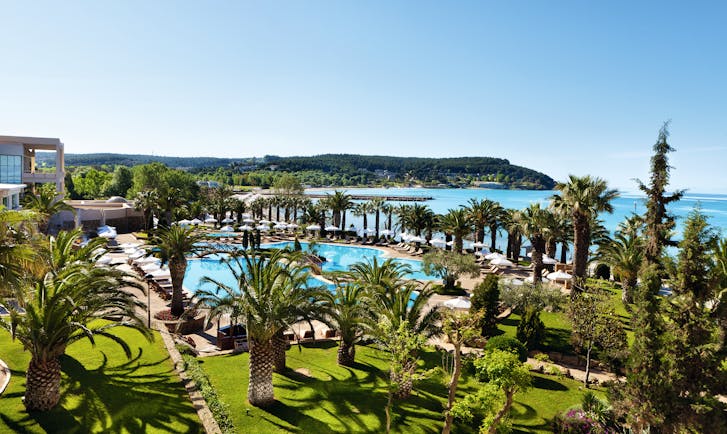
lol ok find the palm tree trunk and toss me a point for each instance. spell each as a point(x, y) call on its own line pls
point(177, 268)
point(581, 243)
point(405, 384)
point(260, 387)
point(346, 354)
point(388, 224)
point(493, 236)
point(550, 248)
point(42, 388)
point(449, 417)
point(280, 345)
point(378, 212)
point(537, 262)
point(563, 252)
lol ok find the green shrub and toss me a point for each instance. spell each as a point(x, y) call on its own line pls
point(531, 330)
point(539, 297)
point(486, 300)
point(507, 343)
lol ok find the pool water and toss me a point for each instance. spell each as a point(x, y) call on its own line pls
point(338, 258)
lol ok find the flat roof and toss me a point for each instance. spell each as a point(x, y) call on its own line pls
point(12, 187)
point(40, 142)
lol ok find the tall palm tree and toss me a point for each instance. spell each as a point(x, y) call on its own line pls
point(62, 306)
point(534, 225)
point(219, 201)
point(375, 206)
point(16, 251)
point(483, 214)
point(625, 255)
point(583, 198)
point(347, 314)
point(495, 213)
point(46, 203)
point(271, 294)
point(362, 209)
point(421, 216)
point(457, 223)
point(339, 202)
point(239, 207)
point(377, 276)
point(147, 202)
point(174, 244)
point(510, 221)
point(404, 217)
point(388, 209)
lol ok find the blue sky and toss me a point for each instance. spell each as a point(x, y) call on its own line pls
point(561, 87)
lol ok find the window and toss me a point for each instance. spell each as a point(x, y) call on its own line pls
point(10, 169)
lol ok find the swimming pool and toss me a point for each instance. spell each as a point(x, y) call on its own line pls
point(338, 258)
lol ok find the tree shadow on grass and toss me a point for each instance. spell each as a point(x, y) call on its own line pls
point(558, 340)
point(547, 384)
point(123, 398)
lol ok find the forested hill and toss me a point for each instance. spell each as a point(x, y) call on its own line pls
point(335, 169)
point(496, 169)
point(134, 159)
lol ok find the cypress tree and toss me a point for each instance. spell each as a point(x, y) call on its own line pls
point(659, 222)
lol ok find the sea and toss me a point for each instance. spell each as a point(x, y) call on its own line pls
point(443, 199)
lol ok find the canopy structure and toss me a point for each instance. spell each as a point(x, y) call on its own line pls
point(493, 255)
point(228, 220)
point(248, 220)
point(437, 242)
point(313, 227)
point(281, 226)
point(227, 229)
point(547, 260)
point(417, 240)
point(462, 303)
point(333, 228)
point(386, 232)
point(210, 220)
point(265, 222)
point(107, 232)
point(559, 275)
point(262, 228)
point(530, 279)
point(196, 222)
point(501, 262)
point(246, 228)
point(292, 226)
point(184, 222)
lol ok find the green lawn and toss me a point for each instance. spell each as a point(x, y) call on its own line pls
point(337, 399)
point(103, 391)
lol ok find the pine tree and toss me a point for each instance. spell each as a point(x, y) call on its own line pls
point(485, 301)
point(659, 222)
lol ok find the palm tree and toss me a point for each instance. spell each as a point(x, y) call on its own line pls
point(510, 221)
point(62, 306)
point(377, 276)
point(174, 244)
point(271, 294)
point(483, 214)
point(582, 198)
point(457, 223)
point(495, 213)
point(16, 251)
point(376, 205)
point(347, 314)
point(339, 202)
point(46, 203)
point(533, 223)
point(389, 210)
point(362, 209)
point(219, 201)
point(239, 207)
point(147, 202)
point(421, 216)
point(625, 255)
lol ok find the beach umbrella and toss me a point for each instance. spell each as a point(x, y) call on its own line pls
point(547, 260)
point(265, 222)
point(137, 254)
point(386, 232)
point(147, 260)
point(450, 243)
point(332, 228)
point(458, 303)
point(478, 245)
point(210, 220)
point(501, 262)
point(148, 268)
point(196, 221)
point(530, 279)
point(246, 228)
point(263, 228)
point(130, 251)
point(292, 226)
point(417, 240)
point(437, 242)
point(228, 220)
point(184, 222)
point(227, 229)
point(559, 275)
point(248, 220)
point(281, 226)
point(403, 235)
point(370, 231)
point(313, 227)
point(494, 255)
point(160, 273)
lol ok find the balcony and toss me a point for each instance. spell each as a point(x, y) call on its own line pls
point(29, 177)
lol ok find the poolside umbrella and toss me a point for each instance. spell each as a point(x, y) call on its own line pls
point(437, 242)
point(530, 279)
point(227, 229)
point(129, 245)
point(292, 226)
point(147, 260)
point(210, 220)
point(370, 231)
point(493, 255)
point(264, 222)
point(281, 226)
point(450, 243)
point(137, 254)
point(458, 303)
point(478, 245)
point(313, 227)
point(246, 228)
point(386, 232)
point(403, 236)
point(130, 251)
point(184, 222)
point(501, 262)
point(148, 268)
point(417, 240)
point(228, 220)
point(161, 273)
point(547, 260)
point(104, 260)
point(559, 275)
point(262, 228)
point(196, 221)
point(248, 220)
point(332, 228)
point(245, 215)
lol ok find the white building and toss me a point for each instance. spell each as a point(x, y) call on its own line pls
point(17, 166)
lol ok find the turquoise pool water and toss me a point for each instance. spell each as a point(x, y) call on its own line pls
point(338, 258)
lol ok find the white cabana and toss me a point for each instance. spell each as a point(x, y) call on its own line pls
point(104, 260)
point(559, 275)
point(501, 262)
point(137, 254)
point(281, 226)
point(478, 245)
point(129, 245)
point(265, 222)
point(147, 260)
point(547, 260)
point(160, 273)
point(148, 268)
point(530, 279)
point(370, 231)
point(461, 303)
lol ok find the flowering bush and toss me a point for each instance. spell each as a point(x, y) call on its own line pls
point(578, 422)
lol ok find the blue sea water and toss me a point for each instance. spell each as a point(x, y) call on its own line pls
point(713, 205)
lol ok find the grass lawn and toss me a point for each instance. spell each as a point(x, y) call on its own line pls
point(102, 390)
point(336, 399)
